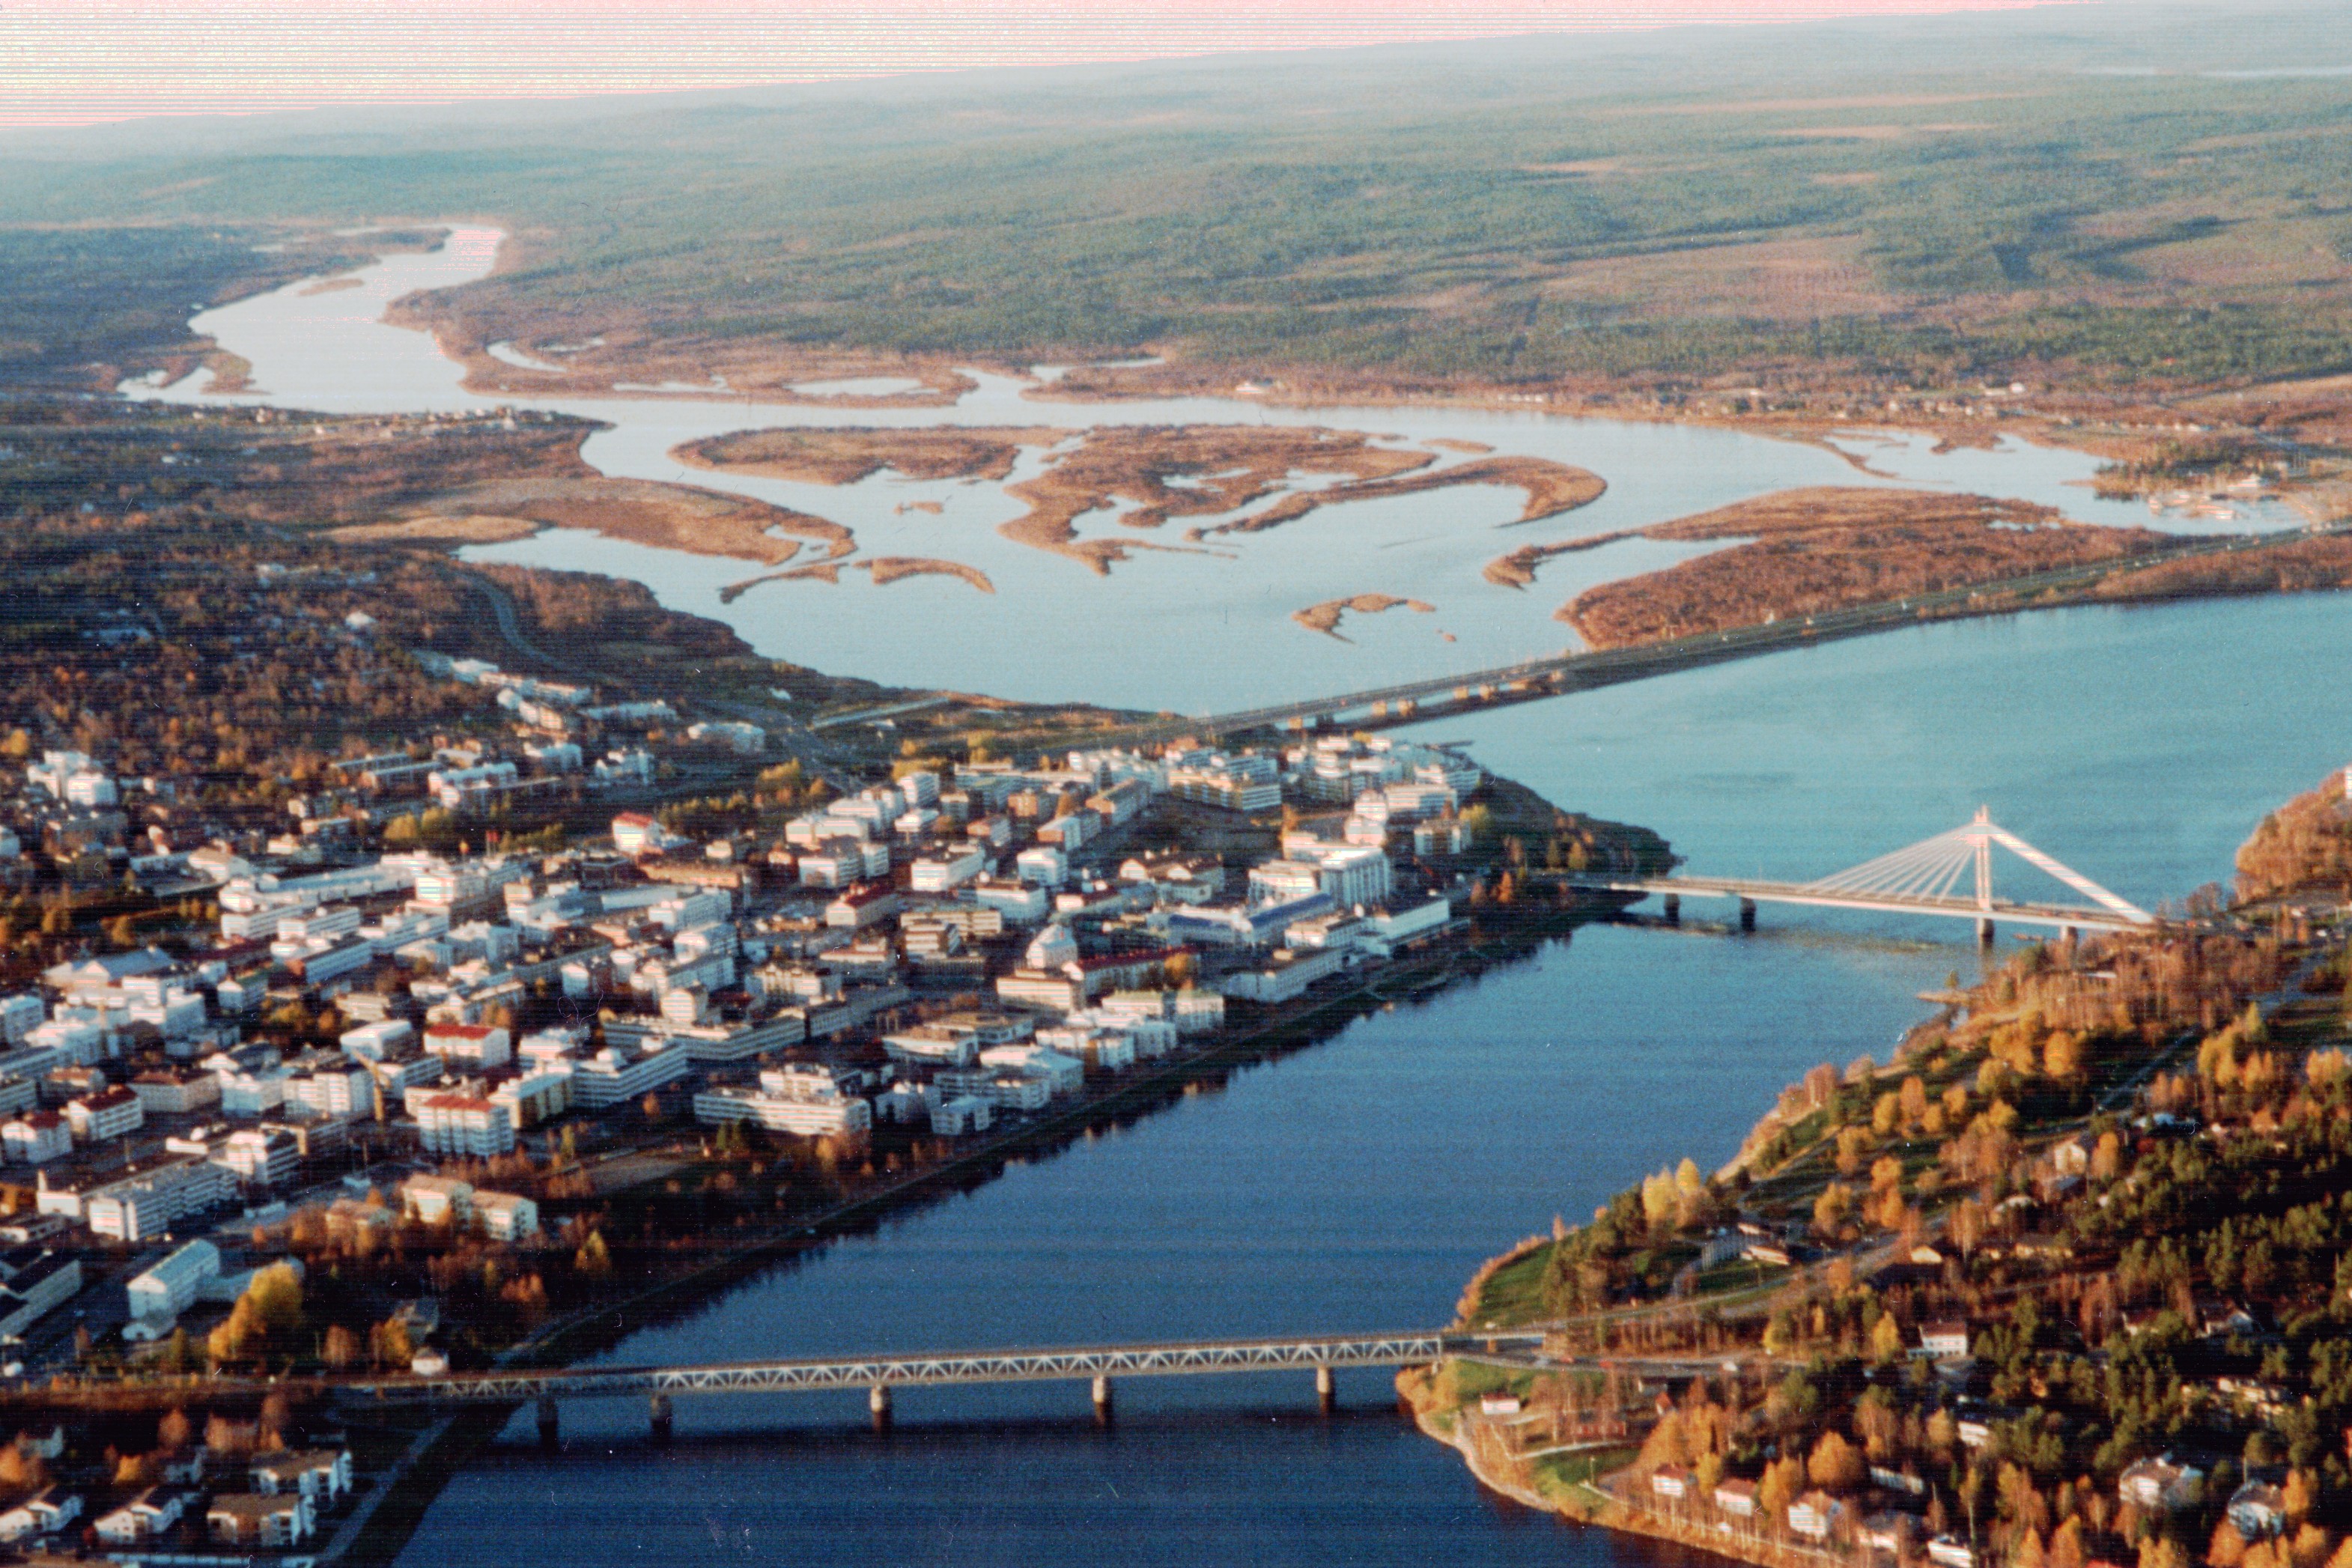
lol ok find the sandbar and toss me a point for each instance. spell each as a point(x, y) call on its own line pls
point(1325, 618)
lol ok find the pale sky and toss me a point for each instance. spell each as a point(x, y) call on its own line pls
point(64, 62)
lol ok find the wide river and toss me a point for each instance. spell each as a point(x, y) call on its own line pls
point(1356, 1183)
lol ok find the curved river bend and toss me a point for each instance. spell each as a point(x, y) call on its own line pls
point(1356, 1183)
point(1203, 630)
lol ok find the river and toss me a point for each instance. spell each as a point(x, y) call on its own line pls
point(1356, 1184)
point(1212, 628)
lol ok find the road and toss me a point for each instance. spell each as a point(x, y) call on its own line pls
point(817, 759)
point(1557, 675)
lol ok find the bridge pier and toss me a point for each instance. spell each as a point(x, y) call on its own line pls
point(551, 1428)
point(664, 1417)
point(877, 1404)
point(1673, 910)
point(1984, 931)
point(1747, 914)
point(1102, 1402)
point(1327, 1390)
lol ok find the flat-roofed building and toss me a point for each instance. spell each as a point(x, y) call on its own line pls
point(471, 1125)
point(169, 1287)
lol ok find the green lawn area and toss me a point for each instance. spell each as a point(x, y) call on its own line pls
point(1515, 1294)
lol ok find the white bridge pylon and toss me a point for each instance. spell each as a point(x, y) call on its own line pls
point(1949, 875)
point(1934, 869)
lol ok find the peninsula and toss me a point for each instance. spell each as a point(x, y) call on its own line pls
point(2061, 1281)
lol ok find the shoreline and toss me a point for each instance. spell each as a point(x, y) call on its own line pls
point(409, 1491)
point(1615, 1517)
point(2274, 983)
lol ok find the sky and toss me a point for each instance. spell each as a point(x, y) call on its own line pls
point(69, 62)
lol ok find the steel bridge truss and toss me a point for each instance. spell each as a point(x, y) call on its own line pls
point(918, 1370)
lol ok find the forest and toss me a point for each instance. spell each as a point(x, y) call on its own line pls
point(1966, 198)
point(2065, 1282)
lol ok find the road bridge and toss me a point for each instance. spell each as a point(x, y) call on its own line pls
point(1322, 1355)
point(1923, 879)
point(1444, 695)
point(880, 1375)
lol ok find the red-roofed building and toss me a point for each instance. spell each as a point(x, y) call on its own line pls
point(36, 1138)
point(114, 1112)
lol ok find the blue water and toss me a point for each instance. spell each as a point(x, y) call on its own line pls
point(1356, 1184)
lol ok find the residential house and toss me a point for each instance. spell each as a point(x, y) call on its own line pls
point(322, 1475)
point(2258, 1511)
point(1939, 1341)
point(2159, 1484)
point(1812, 1515)
point(249, 1518)
point(143, 1517)
point(49, 1510)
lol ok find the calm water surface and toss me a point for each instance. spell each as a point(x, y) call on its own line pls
point(1356, 1184)
point(1212, 623)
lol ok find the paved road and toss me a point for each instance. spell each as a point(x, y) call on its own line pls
point(817, 759)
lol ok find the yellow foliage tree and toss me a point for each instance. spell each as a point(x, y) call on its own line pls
point(1830, 1209)
point(1915, 1101)
point(2062, 1057)
point(1782, 1480)
point(2066, 1545)
point(1837, 1464)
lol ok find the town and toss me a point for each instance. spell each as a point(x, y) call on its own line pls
point(387, 1084)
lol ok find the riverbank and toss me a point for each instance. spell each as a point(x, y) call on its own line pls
point(1987, 1200)
point(1277, 1032)
point(1502, 931)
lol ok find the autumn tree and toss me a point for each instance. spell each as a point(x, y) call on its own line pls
point(1837, 1464)
point(1783, 1481)
point(175, 1431)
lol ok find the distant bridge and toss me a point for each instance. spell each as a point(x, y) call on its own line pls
point(1922, 879)
point(1449, 695)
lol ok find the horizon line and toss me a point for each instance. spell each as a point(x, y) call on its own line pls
point(119, 62)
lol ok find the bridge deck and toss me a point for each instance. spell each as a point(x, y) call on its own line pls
point(920, 1368)
point(1767, 893)
point(1569, 672)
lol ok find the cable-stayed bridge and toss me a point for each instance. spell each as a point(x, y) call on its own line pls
point(1949, 875)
